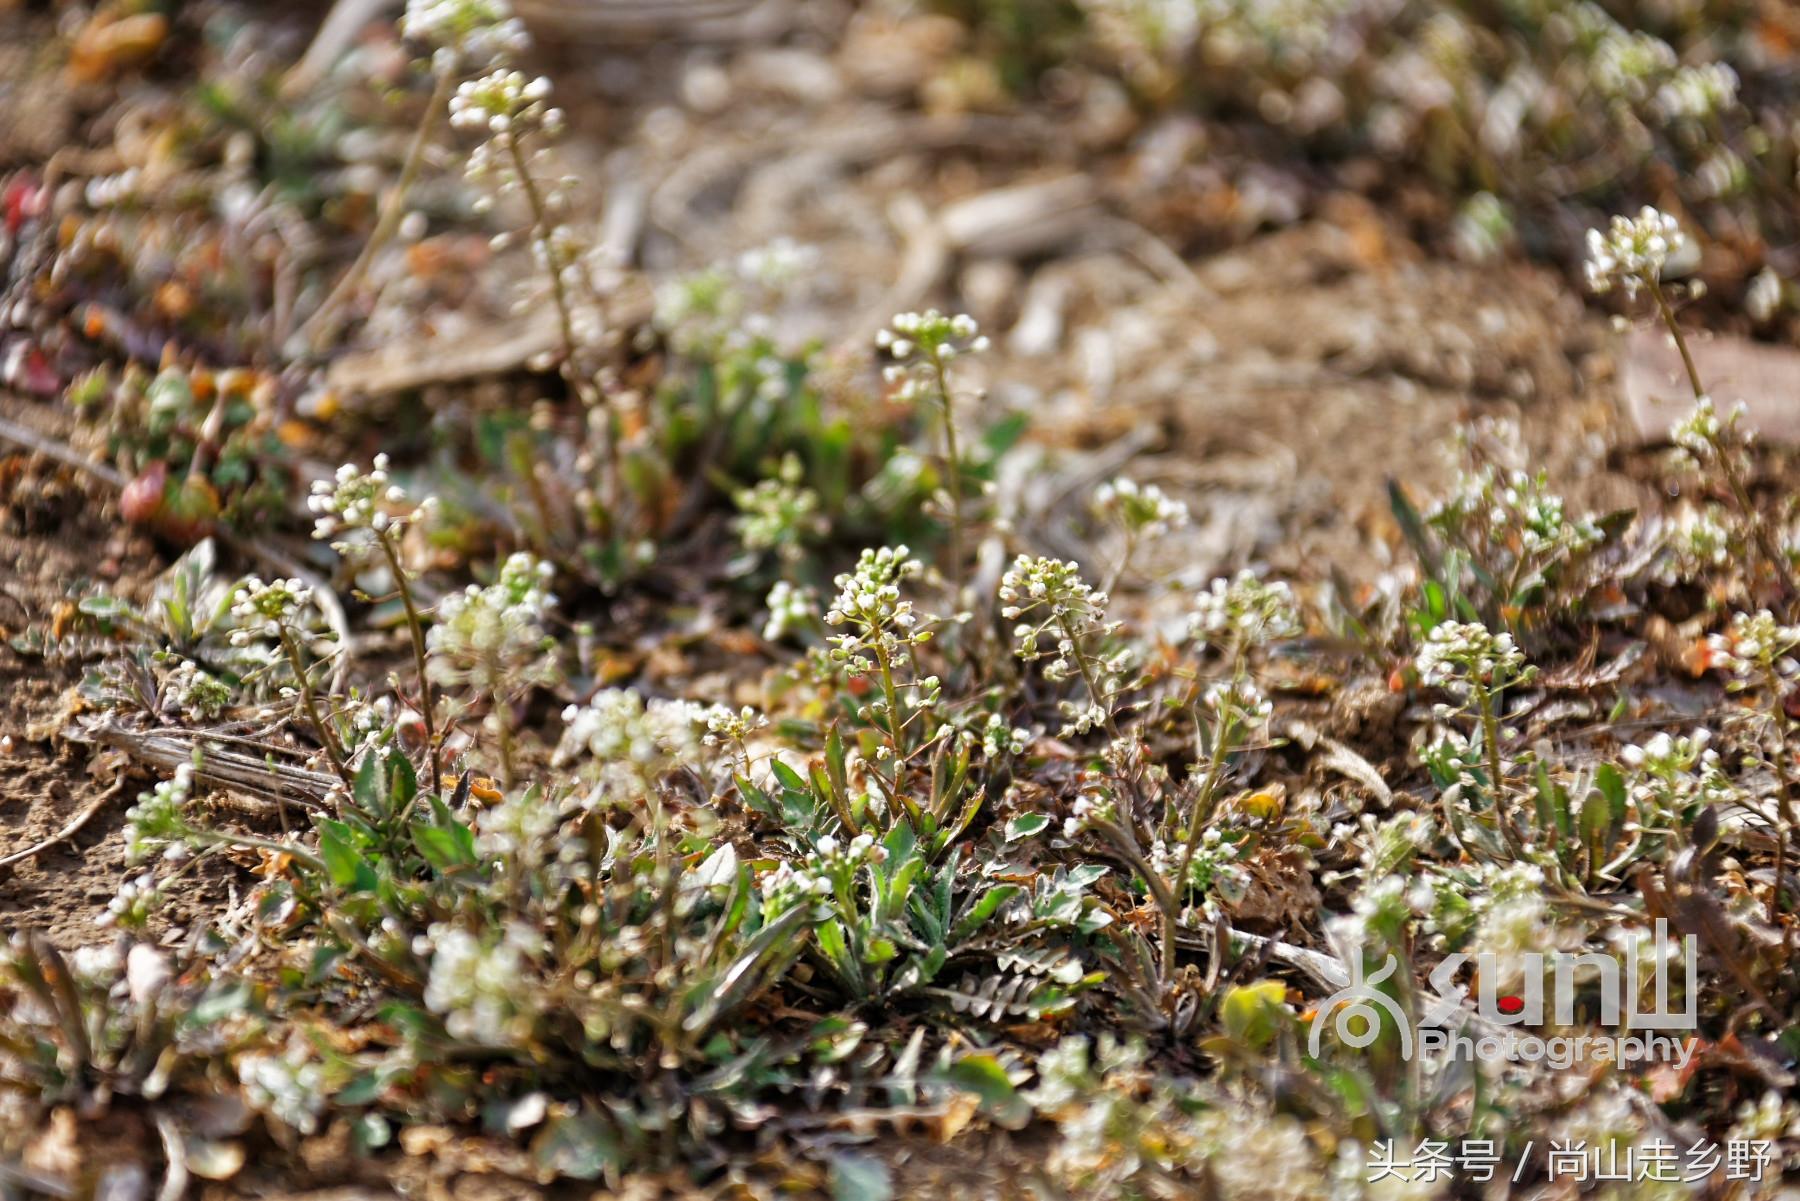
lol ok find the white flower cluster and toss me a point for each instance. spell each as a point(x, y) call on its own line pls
point(1089, 808)
point(1512, 925)
point(477, 984)
point(1141, 510)
point(1632, 251)
point(778, 264)
point(999, 737)
point(503, 103)
point(1239, 702)
point(1700, 541)
point(515, 116)
point(1063, 607)
point(156, 823)
point(365, 721)
point(356, 500)
point(726, 313)
point(1514, 513)
point(836, 859)
point(1387, 847)
point(263, 609)
point(922, 346)
point(196, 691)
point(779, 514)
point(1244, 611)
point(722, 725)
point(1754, 645)
point(472, 33)
point(1457, 651)
point(1626, 64)
point(96, 966)
point(1697, 93)
point(494, 637)
point(289, 1087)
point(1097, 1124)
point(788, 886)
point(1702, 435)
point(882, 626)
point(1672, 774)
point(1214, 867)
point(930, 334)
point(1451, 900)
point(1062, 603)
point(133, 904)
point(519, 826)
point(830, 867)
point(630, 745)
point(792, 608)
point(1773, 1117)
point(701, 313)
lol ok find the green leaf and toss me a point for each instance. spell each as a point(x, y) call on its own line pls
point(369, 789)
point(1553, 803)
point(787, 776)
point(442, 848)
point(1596, 825)
point(103, 606)
point(343, 864)
point(222, 1001)
point(1026, 825)
point(1254, 1014)
point(986, 1077)
point(755, 797)
point(578, 1146)
point(983, 909)
point(1413, 527)
point(859, 1177)
point(385, 783)
point(1612, 786)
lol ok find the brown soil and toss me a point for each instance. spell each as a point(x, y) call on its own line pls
point(61, 534)
point(62, 539)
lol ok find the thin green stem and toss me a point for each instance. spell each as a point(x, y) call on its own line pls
point(310, 701)
point(1668, 317)
point(1087, 675)
point(217, 838)
point(1490, 738)
point(1784, 827)
point(1205, 802)
point(952, 476)
point(325, 323)
point(890, 696)
point(1734, 480)
point(542, 229)
point(503, 726)
point(416, 624)
point(1118, 572)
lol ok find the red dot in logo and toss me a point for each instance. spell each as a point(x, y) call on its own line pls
point(1511, 1004)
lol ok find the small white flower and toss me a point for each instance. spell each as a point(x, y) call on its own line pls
point(1459, 651)
point(1141, 510)
point(1632, 252)
point(477, 33)
point(1244, 612)
point(479, 985)
point(879, 623)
